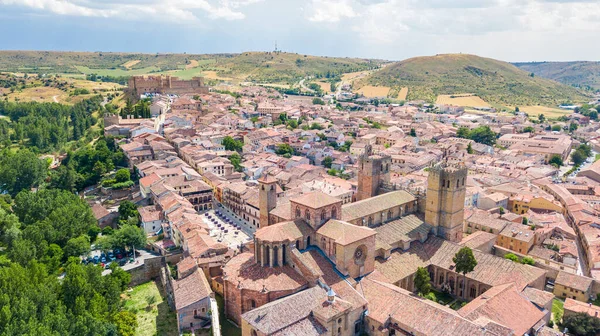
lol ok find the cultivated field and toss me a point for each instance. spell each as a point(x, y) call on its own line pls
point(214, 75)
point(403, 93)
point(130, 64)
point(326, 87)
point(40, 94)
point(351, 76)
point(374, 91)
point(118, 72)
point(466, 99)
point(193, 64)
point(548, 112)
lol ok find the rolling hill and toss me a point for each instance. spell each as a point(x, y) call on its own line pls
point(264, 67)
point(582, 74)
point(496, 82)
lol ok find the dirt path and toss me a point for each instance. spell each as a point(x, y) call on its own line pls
point(193, 64)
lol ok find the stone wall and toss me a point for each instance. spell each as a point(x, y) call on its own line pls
point(147, 271)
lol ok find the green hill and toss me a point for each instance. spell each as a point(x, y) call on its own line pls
point(494, 81)
point(582, 74)
point(264, 67)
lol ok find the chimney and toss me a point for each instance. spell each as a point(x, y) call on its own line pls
point(330, 295)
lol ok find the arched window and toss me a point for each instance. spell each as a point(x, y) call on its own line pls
point(334, 213)
point(307, 214)
point(298, 213)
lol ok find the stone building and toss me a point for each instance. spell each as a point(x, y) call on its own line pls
point(445, 202)
point(373, 170)
point(267, 195)
point(138, 85)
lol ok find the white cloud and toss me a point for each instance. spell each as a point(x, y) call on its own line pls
point(165, 10)
point(330, 10)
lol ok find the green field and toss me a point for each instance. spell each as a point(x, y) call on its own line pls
point(116, 72)
point(154, 319)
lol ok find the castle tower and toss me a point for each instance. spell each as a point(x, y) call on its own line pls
point(445, 202)
point(267, 194)
point(372, 171)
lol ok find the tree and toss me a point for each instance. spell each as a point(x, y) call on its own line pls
point(127, 209)
point(318, 101)
point(236, 161)
point(327, 162)
point(64, 177)
point(572, 127)
point(483, 135)
point(284, 148)
point(20, 171)
point(292, 123)
point(413, 133)
point(516, 109)
point(556, 128)
point(578, 157)
point(556, 160)
point(541, 118)
point(123, 175)
point(528, 129)
point(465, 262)
point(527, 260)
point(525, 221)
point(422, 281)
point(501, 210)
point(126, 323)
point(462, 132)
point(316, 126)
point(512, 257)
point(77, 247)
point(582, 324)
point(231, 144)
point(129, 235)
point(469, 149)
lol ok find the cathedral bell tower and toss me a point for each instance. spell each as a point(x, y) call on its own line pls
point(267, 194)
point(373, 170)
point(445, 202)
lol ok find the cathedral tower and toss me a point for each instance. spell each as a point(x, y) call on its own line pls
point(267, 194)
point(372, 171)
point(445, 202)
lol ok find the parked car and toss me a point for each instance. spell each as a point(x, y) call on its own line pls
point(122, 262)
point(96, 259)
point(103, 259)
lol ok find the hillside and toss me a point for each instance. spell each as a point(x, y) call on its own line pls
point(496, 82)
point(264, 67)
point(581, 73)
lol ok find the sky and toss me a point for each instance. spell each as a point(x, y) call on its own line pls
point(509, 30)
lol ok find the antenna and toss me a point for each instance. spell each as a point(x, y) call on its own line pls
point(275, 45)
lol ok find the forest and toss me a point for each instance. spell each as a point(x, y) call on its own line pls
point(46, 127)
point(45, 226)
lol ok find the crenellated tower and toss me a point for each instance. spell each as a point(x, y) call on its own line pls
point(445, 201)
point(373, 170)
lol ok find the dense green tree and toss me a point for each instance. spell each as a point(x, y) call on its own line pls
point(572, 127)
point(464, 262)
point(463, 132)
point(327, 162)
point(231, 144)
point(541, 118)
point(64, 177)
point(127, 209)
point(582, 324)
point(556, 128)
point(77, 246)
point(512, 257)
point(578, 157)
point(20, 171)
point(422, 281)
point(236, 161)
point(528, 129)
point(556, 160)
point(123, 175)
point(128, 236)
point(284, 148)
point(483, 135)
point(293, 124)
point(469, 148)
point(413, 133)
point(126, 323)
point(527, 260)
